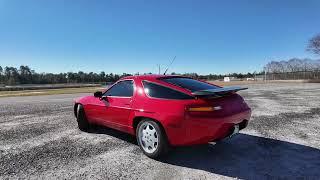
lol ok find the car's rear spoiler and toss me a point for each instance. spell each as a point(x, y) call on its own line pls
point(218, 91)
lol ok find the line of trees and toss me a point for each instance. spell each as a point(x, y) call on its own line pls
point(25, 75)
point(221, 76)
point(292, 65)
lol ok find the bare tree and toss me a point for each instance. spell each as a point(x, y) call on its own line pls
point(292, 65)
point(314, 44)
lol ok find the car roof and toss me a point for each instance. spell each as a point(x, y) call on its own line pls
point(156, 77)
point(149, 77)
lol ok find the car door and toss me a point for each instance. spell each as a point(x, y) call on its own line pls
point(115, 106)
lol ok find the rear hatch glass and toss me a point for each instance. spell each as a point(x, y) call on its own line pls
point(190, 84)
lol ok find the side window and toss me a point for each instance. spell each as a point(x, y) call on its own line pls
point(122, 88)
point(158, 91)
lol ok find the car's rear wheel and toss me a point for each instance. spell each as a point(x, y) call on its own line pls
point(82, 120)
point(151, 138)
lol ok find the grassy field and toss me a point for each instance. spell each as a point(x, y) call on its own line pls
point(49, 91)
point(90, 89)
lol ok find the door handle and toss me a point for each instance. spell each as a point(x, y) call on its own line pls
point(128, 103)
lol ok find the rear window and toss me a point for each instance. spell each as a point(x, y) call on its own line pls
point(158, 91)
point(190, 84)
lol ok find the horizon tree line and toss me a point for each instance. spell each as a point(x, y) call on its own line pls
point(292, 65)
point(26, 75)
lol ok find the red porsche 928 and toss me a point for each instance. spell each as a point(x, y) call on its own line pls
point(164, 111)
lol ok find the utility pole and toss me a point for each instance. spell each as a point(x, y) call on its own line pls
point(265, 74)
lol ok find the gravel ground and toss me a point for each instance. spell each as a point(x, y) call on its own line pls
point(39, 139)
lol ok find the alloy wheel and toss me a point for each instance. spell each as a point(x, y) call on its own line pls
point(148, 137)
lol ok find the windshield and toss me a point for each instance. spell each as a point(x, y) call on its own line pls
point(190, 84)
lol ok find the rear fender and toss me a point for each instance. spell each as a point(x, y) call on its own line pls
point(137, 113)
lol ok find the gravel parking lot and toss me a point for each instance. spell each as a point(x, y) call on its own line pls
point(39, 139)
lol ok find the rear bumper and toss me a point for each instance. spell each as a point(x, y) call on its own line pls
point(203, 130)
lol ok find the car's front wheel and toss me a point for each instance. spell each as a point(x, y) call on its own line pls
point(151, 138)
point(83, 123)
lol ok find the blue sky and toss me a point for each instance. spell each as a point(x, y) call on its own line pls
point(134, 36)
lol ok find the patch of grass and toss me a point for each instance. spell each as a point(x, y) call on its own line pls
point(49, 91)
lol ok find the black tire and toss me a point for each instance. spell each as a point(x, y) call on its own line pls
point(83, 123)
point(163, 145)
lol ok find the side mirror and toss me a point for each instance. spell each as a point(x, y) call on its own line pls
point(105, 98)
point(98, 94)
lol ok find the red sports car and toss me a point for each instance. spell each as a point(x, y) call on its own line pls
point(163, 111)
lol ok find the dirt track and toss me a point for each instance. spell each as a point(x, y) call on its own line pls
point(39, 139)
